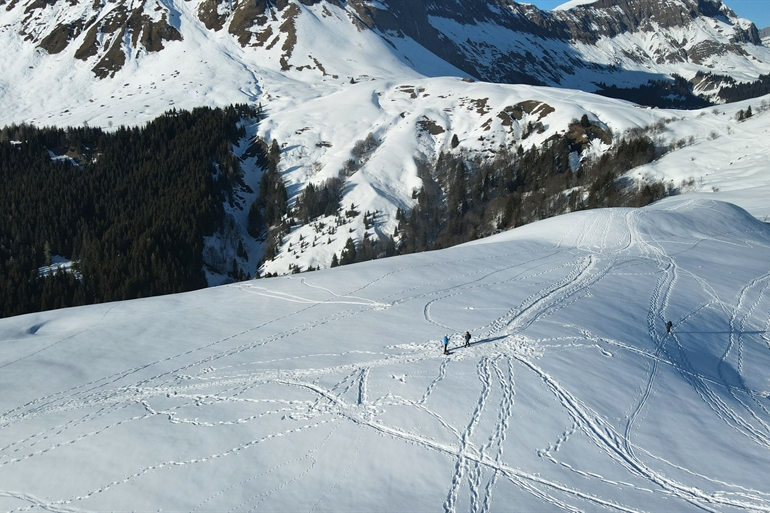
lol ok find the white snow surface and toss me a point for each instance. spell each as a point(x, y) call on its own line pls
point(319, 136)
point(211, 68)
point(572, 3)
point(329, 391)
point(205, 68)
point(721, 158)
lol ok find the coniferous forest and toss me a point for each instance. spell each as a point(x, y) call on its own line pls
point(131, 207)
point(663, 94)
point(458, 204)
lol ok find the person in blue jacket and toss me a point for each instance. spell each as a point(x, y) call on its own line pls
point(446, 344)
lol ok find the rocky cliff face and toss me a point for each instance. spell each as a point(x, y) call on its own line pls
point(102, 32)
point(613, 18)
point(504, 41)
point(607, 41)
point(610, 18)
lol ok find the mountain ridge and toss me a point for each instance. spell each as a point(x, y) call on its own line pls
point(123, 42)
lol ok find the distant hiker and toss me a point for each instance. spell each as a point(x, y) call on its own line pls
point(669, 325)
point(467, 339)
point(446, 344)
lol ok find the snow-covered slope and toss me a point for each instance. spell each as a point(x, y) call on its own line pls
point(329, 392)
point(412, 121)
point(717, 156)
point(319, 125)
point(203, 68)
point(417, 119)
point(114, 63)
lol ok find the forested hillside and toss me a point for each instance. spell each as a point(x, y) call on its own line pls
point(459, 204)
point(131, 207)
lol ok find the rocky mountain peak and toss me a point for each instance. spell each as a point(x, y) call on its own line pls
point(100, 30)
point(610, 18)
point(606, 41)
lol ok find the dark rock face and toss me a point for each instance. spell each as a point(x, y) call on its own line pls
point(59, 38)
point(105, 31)
point(543, 53)
point(610, 18)
point(492, 40)
point(613, 17)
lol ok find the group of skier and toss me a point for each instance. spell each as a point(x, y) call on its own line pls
point(467, 338)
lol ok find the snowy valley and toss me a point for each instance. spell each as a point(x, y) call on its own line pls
point(124, 64)
point(413, 77)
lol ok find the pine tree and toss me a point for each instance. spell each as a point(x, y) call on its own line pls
point(256, 222)
point(348, 255)
point(48, 259)
point(390, 247)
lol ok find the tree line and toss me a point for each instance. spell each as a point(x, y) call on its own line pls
point(740, 92)
point(463, 198)
point(663, 94)
point(679, 93)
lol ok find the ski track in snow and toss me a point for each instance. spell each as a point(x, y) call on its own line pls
point(503, 349)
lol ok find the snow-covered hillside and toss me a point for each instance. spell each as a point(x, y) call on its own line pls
point(710, 149)
point(716, 155)
point(319, 127)
point(124, 63)
point(412, 121)
point(205, 68)
point(329, 392)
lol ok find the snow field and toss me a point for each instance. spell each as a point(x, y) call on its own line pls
point(328, 391)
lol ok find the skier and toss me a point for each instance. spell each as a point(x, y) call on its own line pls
point(446, 344)
point(669, 325)
point(467, 339)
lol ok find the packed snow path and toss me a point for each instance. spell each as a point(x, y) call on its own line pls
point(328, 391)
